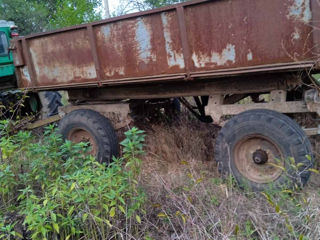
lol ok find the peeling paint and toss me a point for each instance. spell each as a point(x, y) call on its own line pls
point(249, 56)
point(58, 72)
point(173, 58)
point(150, 47)
point(296, 34)
point(34, 56)
point(245, 19)
point(143, 39)
point(63, 73)
point(228, 55)
point(114, 71)
point(26, 74)
point(106, 31)
point(301, 10)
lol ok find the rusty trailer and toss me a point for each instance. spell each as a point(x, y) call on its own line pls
point(186, 42)
point(219, 52)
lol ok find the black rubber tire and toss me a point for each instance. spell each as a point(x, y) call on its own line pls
point(281, 129)
point(54, 102)
point(98, 126)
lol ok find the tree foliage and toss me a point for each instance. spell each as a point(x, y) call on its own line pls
point(30, 16)
point(161, 3)
point(127, 6)
point(40, 15)
point(72, 12)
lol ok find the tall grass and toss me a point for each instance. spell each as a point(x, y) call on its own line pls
point(188, 199)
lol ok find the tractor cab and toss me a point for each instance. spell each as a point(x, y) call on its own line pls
point(8, 30)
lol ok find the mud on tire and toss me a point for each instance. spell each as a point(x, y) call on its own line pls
point(251, 143)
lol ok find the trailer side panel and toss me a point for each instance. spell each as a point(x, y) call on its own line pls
point(193, 40)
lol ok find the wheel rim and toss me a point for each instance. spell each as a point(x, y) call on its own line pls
point(256, 156)
point(78, 135)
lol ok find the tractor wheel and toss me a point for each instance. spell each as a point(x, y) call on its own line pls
point(262, 148)
point(90, 126)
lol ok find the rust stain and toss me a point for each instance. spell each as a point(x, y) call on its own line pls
point(174, 55)
point(171, 43)
point(254, 34)
point(63, 58)
point(139, 47)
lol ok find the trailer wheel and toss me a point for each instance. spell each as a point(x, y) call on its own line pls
point(54, 102)
point(90, 126)
point(260, 147)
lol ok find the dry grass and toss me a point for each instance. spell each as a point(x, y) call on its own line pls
point(188, 200)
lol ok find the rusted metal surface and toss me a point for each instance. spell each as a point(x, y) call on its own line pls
point(231, 85)
point(315, 6)
point(256, 158)
point(63, 58)
point(190, 41)
point(228, 34)
point(78, 135)
point(139, 47)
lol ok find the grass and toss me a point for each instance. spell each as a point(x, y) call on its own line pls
point(188, 200)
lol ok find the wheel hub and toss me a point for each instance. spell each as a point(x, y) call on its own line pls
point(256, 158)
point(260, 156)
point(78, 135)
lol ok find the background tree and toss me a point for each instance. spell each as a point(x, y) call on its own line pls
point(128, 6)
point(161, 3)
point(40, 15)
point(30, 16)
point(72, 12)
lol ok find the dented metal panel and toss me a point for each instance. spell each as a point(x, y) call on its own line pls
point(192, 40)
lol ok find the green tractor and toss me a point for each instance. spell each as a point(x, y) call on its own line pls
point(7, 76)
point(10, 96)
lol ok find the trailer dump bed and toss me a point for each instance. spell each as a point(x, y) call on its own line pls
point(194, 40)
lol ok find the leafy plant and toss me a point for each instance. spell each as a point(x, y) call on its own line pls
point(61, 192)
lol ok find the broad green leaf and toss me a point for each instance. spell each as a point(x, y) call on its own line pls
point(112, 212)
point(70, 211)
point(313, 170)
point(53, 216)
point(56, 227)
point(73, 185)
point(138, 218)
point(121, 209)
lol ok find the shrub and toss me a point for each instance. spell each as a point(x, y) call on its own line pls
point(61, 192)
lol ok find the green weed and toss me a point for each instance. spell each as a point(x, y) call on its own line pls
point(61, 192)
